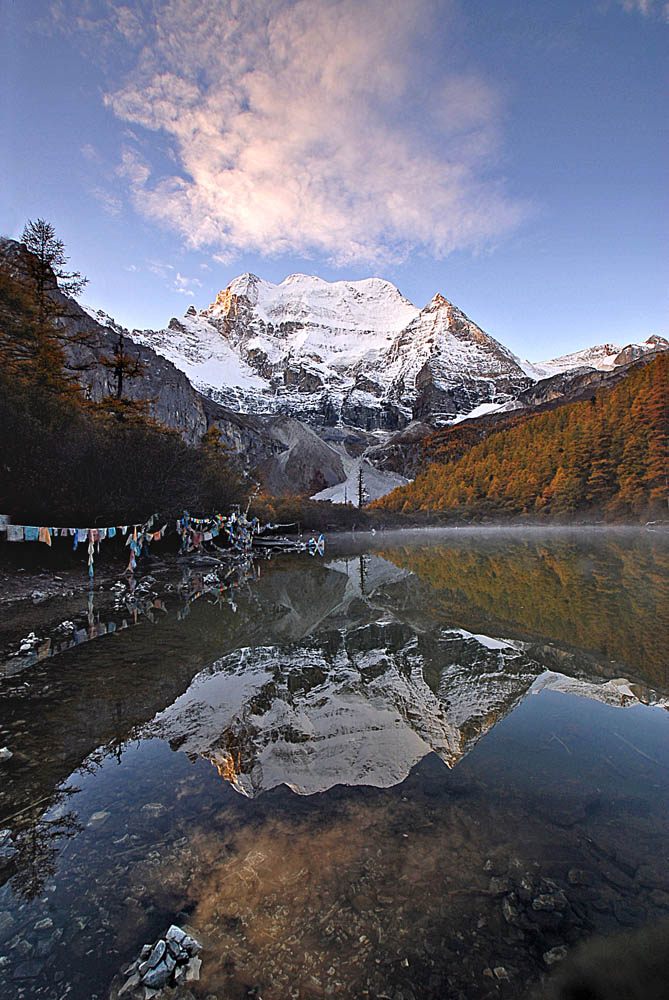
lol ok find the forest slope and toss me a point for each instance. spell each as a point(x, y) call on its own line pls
point(605, 458)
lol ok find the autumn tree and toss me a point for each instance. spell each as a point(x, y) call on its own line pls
point(38, 285)
point(606, 456)
point(122, 365)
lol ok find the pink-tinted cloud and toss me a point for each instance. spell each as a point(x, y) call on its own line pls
point(311, 127)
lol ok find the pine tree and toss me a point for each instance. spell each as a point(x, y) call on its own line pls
point(363, 495)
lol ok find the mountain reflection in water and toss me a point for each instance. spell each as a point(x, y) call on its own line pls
point(351, 680)
point(361, 704)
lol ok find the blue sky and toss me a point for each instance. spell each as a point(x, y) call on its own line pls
point(512, 155)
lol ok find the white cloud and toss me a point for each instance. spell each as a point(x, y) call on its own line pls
point(183, 285)
point(328, 127)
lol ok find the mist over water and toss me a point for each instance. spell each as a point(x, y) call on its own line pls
point(427, 765)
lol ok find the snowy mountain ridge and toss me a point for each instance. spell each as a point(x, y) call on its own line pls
point(604, 357)
point(356, 353)
point(352, 352)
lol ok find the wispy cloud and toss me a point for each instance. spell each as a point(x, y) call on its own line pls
point(649, 8)
point(329, 128)
point(111, 204)
point(186, 286)
point(160, 269)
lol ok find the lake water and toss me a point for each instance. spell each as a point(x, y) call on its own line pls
point(426, 765)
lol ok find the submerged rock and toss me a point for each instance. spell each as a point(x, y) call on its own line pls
point(165, 964)
point(7, 849)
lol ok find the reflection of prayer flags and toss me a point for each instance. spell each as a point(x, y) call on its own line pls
point(14, 532)
point(31, 533)
point(44, 535)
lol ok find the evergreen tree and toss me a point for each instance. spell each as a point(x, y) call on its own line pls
point(363, 495)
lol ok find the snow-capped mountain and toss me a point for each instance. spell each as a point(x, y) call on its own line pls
point(356, 352)
point(604, 357)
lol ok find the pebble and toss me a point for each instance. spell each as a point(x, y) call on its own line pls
point(5, 753)
point(98, 818)
point(510, 911)
point(6, 924)
point(157, 976)
point(555, 955)
point(129, 984)
point(193, 969)
point(550, 901)
point(157, 953)
point(7, 850)
point(28, 970)
point(577, 876)
point(153, 809)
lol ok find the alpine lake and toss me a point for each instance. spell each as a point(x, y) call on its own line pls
point(425, 765)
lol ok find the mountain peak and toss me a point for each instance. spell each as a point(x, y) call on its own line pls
point(437, 302)
point(355, 352)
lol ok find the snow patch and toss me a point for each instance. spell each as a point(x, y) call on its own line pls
point(376, 484)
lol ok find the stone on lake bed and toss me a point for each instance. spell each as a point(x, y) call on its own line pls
point(555, 955)
point(157, 976)
point(7, 850)
point(5, 753)
point(175, 933)
point(550, 901)
point(152, 810)
point(165, 964)
point(176, 950)
point(129, 984)
point(98, 818)
point(6, 924)
point(193, 969)
point(157, 953)
point(28, 970)
point(192, 946)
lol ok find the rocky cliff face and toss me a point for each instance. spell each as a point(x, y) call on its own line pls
point(286, 454)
